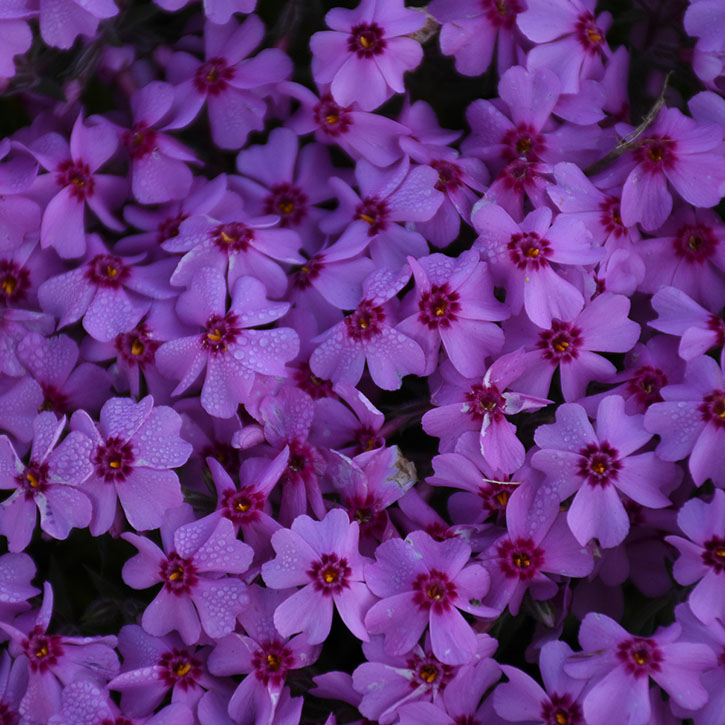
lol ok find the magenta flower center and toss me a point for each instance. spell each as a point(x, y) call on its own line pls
point(303, 275)
point(180, 669)
point(213, 76)
point(330, 117)
point(528, 251)
point(611, 218)
point(375, 212)
point(314, 386)
point(369, 513)
point(640, 657)
point(169, 227)
point(522, 142)
point(288, 201)
point(14, 281)
point(77, 176)
point(599, 465)
point(495, 497)
point(502, 13)
point(53, 399)
point(178, 575)
point(242, 507)
point(712, 408)
point(8, 716)
point(449, 175)
point(330, 574)
point(42, 650)
point(714, 554)
point(114, 460)
point(271, 662)
point(368, 439)
point(120, 720)
point(561, 343)
point(646, 383)
point(433, 591)
point(695, 243)
point(107, 270)
point(485, 400)
point(137, 347)
point(518, 175)
point(140, 140)
point(429, 672)
point(656, 153)
point(221, 331)
point(33, 480)
point(366, 322)
point(588, 33)
point(439, 306)
point(561, 710)
point(366, 39)
point(233, 237)
point(717, 325)
point(520, 559)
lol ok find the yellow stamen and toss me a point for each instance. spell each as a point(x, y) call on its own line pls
point(111, 272)
point(137, 347)
point(599, 467)
point(364, 42)
point(532, 252)
point(273, 662)
point(42, 652)
point(369, 219)
point(216, 335)
point(329, 575)
point(8, 285)
point(176, 574)
point(522, 561)
point(561, 346)
point(331, 119)
point(561, 718)
point(243, 506)
point(32, 480)
point(428, 673)
point(440, 309)
point(286, 207)
point(594, 35)
point(181, 670)
point(115, 463)
point(640, 657)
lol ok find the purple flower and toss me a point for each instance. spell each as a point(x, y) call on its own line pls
point(262, 655)
point(232, 355)
point(597, 466)
point(691, 421)
point(16, 573)
point(367, 335)
point(323, 557)
point(231, 84)
point(702, 555)
point(218, 11)
point(195, 594)
point(132, 453)
point(15, 33)
point(679, 150)
point(621, 665)
point(47, 483)
point(110, 293)
point(521, 259)
point(424, 583)
point(62, 21)
point(364, 56)
point(73, 181)
point(455, 307)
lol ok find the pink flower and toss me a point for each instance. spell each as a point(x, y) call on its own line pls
point(364, 56)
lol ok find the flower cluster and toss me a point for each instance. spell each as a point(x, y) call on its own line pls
point(312, 409)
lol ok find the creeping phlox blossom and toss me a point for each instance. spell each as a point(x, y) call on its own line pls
point(356, 396)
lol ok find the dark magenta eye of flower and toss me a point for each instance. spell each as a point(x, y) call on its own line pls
point(76, 175)
point(712, 408)
point(330, 574)
point(561, 710)
point(366, 39)
point(114, 460)
point(366, 322)
point(368, 439)
point(213, 76)
point(178, 575)
point(433, 591)
point(439, 306)
point(485, 400)
point(288, 201)
point(520, 558)
point(140, 140)
point(42, 650)
point(120, 720)
point(375, 212)
point(600, 464)
point(137, 347)
point(233, 237)
point(243, 506)
point(107, 270)
point(180, 668)
point(502, 13)
point(589, 35)
point(646, 384)
point(656, 153)
point(14, 281)
point(428, 671)
point(449, 175)
point(313, 385)
point(523, 142)
point(611, 218)
point(330, 117)
point(221, 331)
point(560, 343)
point(303, 275)
point(495, 496)
point(527, 250)
point(169, 228)
point(640, 657)
point(53, 399)
point(695, 243)
point(34, 479)
point(271, 662)
point(714, 554)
